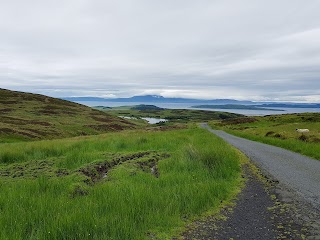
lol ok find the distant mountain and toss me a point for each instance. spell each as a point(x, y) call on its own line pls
point(157, 99)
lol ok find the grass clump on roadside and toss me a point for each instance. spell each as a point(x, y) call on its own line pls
point(127, 185)
point(279, 130)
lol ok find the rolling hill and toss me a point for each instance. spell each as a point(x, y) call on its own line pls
point(27, 116)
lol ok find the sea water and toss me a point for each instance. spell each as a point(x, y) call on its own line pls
point(188, 106)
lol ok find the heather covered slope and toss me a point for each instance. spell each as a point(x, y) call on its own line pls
point(26, 116)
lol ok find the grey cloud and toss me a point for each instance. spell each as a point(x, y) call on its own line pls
point(204, 49)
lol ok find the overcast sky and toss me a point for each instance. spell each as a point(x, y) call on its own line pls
point(241, 49)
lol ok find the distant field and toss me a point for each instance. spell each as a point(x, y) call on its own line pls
point(172, 115)
point(26, 116)
point(279, 130)
point(125, 185)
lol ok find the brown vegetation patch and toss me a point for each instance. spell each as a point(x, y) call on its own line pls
point(238, 120)
point(26, 134)
point(49, 112)
point(101, 127)
point(270, 133)
point(20, 121)
point(108, 127)
point(12, 120)
point(61, 172)
point(34, 122)
point(10, 131)
point(167, 128)
point(53, 107)
point(32, 169)
point(279, 135)
point(103, 119)
point(116, 127)
point(7, 130)
point(39, 132)
point(150, 165)
point(69, 113)
point(8, 102)
point(57, 109)
point(126, 122)
point(303, 138)
point(240, 128)
point(315, 140)
point(6, 110)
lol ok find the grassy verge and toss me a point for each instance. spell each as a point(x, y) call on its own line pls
point(279, 130)
point(127, 185)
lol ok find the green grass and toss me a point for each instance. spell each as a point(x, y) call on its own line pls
point(197, 171)
point(26, 116)
point(279, 130)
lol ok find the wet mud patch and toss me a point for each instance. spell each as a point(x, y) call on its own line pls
point(150, 165)
point(146, 161)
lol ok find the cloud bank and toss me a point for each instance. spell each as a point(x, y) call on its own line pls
point(255, 50)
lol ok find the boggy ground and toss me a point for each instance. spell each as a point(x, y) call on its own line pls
point(263, 210)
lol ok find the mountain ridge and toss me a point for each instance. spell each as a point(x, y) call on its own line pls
point(157, 98)
point(161, 99)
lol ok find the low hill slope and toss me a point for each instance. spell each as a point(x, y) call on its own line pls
point(26, 116)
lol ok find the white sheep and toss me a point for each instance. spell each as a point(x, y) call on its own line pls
point(299, 130)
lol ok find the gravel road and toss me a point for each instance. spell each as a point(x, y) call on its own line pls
point(299, 173)
point(248, 220)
